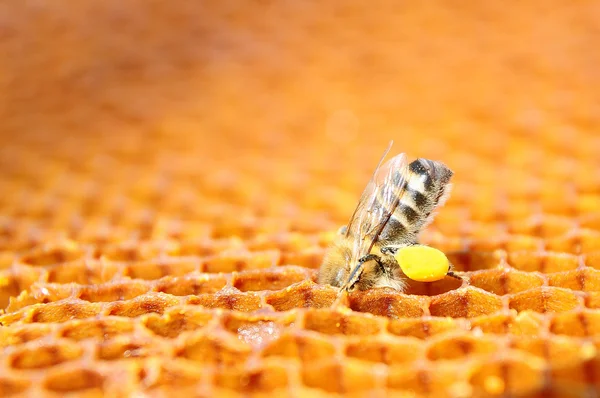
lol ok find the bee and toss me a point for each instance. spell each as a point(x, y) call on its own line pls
point(397, 203)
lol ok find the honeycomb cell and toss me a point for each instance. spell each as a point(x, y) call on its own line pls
point(505, 281)
point(231, 262)
point(75, 380)
point(165, 372)
point(231, 300)
point(53, 253)
point(303, 345)
point(44, 356)
point(175, 321)
point(215, 348)
point(156, 269)
point(12, 386)
point(101, 329)
point(257, 330)
point(190, 284)
point(456, 347)
point(474, 260)
point(585, 279)
point(22, 334)
point(528, 323)
point(576, 323)
point(269, 279)
point(388, 303)
point(333, 376)
point(545, 299)
point(265, 378)
point(434, 379)
point(86, 272)
point(303, 294)
point(464, 303)
point(144, 304)
point(116, 291)
point(518, 375)
point(556, 351)
point(542, 261)
point(423, 328)
point(123, 348)
point(327, 322)
point(388, 351)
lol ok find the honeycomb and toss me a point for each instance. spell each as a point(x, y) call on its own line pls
point(173, 172)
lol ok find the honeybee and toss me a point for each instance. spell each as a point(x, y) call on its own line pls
point(398, 202)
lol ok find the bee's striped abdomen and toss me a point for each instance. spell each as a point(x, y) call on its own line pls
point(425, 188)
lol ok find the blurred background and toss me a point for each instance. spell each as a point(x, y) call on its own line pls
point(184, 119)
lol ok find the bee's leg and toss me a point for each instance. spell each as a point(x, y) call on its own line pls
point(389, 250)
point(453, 275)
point(369, 257)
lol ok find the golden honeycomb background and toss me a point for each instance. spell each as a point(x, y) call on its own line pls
point(171, 174)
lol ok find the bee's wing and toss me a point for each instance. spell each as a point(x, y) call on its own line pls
point(375, 208)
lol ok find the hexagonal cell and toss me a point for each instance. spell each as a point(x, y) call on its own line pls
point(545, 227)
point(311, 257)
point(523, 323)
point(558, 350)
point(388, 302)
point(257, 330)
point(193, 284)
point(592, 300)
point(301, 295)
point(564, 244)
point(523, 242)
point(13, 386)
point(432, 288)
point(115, 291)
point(14, 281)
point(456, 347)
point(244, 260)
point(472, 260)
point(101, 329)
point(215, 348)
point(87, 272)
point(230, 300)
point(266, 377)
point(332, 376)
point(175, 321)
point(589, 240)
point(74, 380)
point(435, 378)
point(545, 299)
point(156, 269)
point(504, 281)
point(593, 260)
point(585, 279)
point(466, 302)
point(144, 304)
point(270, 279)
point(542, 261)
point(130, 251)
point(575, 379)
point(329, 322)
point(60, 311)
point(169, 372)
point(515, 375)
point(54, 253)
point(16, 335)
point(124, 347)
point(388, 351)
point(576, 323)
point(44, 356)
point(423, 328)
point(299, 344)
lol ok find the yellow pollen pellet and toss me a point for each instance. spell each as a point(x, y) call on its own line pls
point(423, 263)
